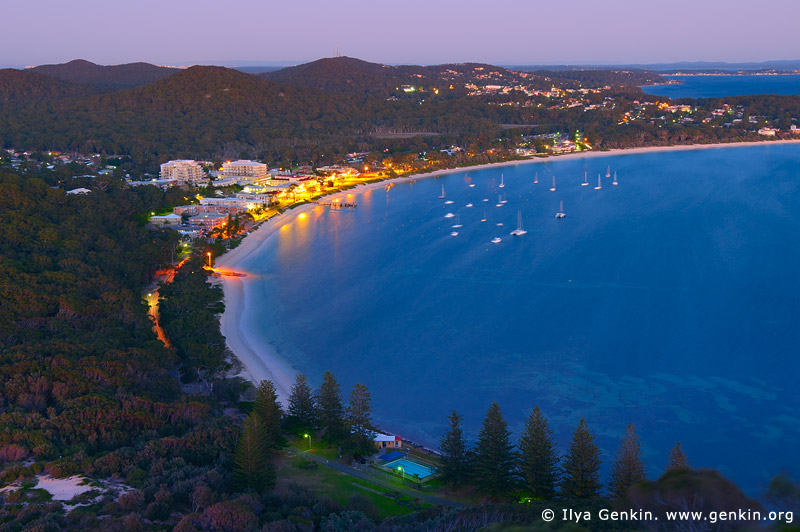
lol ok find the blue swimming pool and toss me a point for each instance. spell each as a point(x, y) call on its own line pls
point(411, 468)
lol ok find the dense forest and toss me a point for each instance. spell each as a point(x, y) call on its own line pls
point(317, 112)
point(112, 77)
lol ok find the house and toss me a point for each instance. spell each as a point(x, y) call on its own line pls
point(384, 441)
point(81, 191)
point(768, 131)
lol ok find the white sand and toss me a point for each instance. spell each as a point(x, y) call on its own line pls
point(62, 489)
point(261, 361)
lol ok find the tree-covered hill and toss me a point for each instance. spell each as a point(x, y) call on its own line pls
point(111, 77)
point(24, 87)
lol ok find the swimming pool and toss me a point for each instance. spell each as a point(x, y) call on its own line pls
point(411, 468)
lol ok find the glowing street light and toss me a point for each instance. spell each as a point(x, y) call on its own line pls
point(309, 440)
point(402, 471)
point(209, 258)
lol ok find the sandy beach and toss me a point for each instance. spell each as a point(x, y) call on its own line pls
point(261, 361)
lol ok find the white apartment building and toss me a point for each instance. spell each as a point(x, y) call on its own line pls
point(247, 171)
point(183, 170)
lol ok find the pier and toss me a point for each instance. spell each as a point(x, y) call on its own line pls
point(338, 204)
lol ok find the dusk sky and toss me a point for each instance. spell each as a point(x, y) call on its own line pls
point(237, 32)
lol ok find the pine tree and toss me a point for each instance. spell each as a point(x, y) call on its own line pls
point(581, 469)
point(538, 457)
point(252, 467)
point(677, 459)
point(494, 455)
point(454, 453)
point(268, 409)
point(302, 414)
point(627, 468)
point(331, 409)
point(358, 419)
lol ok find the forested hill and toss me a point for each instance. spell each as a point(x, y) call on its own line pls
point(347, 74)
point(197, 111)
point(191, 113)
point(344, 74)
point(106, 77)
point(26, 87)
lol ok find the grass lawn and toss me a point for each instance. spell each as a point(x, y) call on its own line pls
point(340, 487)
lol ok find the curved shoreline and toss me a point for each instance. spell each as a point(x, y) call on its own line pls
point(262, 361)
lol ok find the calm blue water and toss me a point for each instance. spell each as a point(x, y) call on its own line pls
point(720, 86)
point(411, 468)
point(670, 301)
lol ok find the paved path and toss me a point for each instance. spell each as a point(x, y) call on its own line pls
point(363, 475)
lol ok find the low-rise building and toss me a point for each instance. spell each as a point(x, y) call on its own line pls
point(166, 220)
point(385, 441)
point(208, 220)
point(768, 131)
point(81, 191)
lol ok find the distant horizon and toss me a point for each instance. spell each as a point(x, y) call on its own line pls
point(285, 63)
point(515, 32)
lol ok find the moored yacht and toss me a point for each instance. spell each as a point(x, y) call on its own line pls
point(519, 231)
point(561, 213)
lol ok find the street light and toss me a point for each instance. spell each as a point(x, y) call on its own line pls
point(402, 471)
point(209, 258)
point(309, 440)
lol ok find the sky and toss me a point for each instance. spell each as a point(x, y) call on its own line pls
point(509, 32)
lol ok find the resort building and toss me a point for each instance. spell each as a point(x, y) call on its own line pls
point(768, 131)
point(166, 220)
point(245, 171)
point(183, 171)
point(384, 441)
point(208, 220)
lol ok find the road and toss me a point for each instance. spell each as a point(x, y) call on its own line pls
point(353, 472)
point(151, 296)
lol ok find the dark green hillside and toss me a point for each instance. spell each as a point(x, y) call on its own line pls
point(111, 77)
point(25, 87)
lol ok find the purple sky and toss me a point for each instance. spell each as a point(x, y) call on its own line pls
point(231, 32)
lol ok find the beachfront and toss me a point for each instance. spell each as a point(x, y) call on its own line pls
point(261, 361)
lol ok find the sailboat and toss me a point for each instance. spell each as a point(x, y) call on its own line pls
point(615, 182)
point(501, 181)
point(454, 233)
point(561, 213)
point(442, 196)
point(599, 183)
point(458, 222)
point(449, 215)
point(472, 185)
point(500, 201)
point(608, 172)
point(484, 216)
point(536, 179)
point(519, 231)
point(496, 240)
point(468, 205)
point(585, 180)
point(553, 188)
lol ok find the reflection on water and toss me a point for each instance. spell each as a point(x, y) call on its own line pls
point(669, 301)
